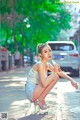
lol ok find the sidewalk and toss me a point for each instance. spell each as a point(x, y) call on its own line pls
point(63, 100)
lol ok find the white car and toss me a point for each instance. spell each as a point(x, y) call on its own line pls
point(66, 55)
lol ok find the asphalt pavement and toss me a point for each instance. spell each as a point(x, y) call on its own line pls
point(63, 100)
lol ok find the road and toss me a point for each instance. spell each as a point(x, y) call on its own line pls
point(13, 100)
point(68, 100)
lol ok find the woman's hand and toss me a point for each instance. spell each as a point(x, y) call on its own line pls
point(58, 67)
point(74, 84)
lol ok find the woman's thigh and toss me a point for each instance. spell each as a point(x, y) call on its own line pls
point(37, 92)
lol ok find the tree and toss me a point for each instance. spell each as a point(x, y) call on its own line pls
point(35, 21)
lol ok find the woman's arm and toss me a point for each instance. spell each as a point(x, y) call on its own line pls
point(63, 75)
point(51, 68)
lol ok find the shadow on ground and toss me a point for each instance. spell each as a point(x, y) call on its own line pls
point(33, 117)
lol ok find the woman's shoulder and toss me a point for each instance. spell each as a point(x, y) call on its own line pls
point(41, 63)
point(37, 65)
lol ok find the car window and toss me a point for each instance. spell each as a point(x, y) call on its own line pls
point(61, 47)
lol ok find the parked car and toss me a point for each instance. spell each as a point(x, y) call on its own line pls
point(66, 55)
point(26, 59)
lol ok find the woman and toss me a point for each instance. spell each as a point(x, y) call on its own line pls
point(38, 83)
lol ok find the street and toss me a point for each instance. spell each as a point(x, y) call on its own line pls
point(64, 100)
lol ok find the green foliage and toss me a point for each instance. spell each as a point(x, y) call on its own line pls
point(34, 21)
point(5, 6)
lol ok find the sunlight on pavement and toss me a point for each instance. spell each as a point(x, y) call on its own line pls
point(18, 108)
point(14, 84)
point(13, 79)
point(20, 102)
point(68, 88)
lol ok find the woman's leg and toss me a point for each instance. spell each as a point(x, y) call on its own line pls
point(48, 88)
point(40, 92)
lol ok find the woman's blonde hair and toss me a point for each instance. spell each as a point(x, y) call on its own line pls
point(41, 46)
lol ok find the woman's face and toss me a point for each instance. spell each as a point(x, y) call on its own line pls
point(46, 53)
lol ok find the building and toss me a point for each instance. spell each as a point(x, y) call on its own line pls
point(74, 32)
